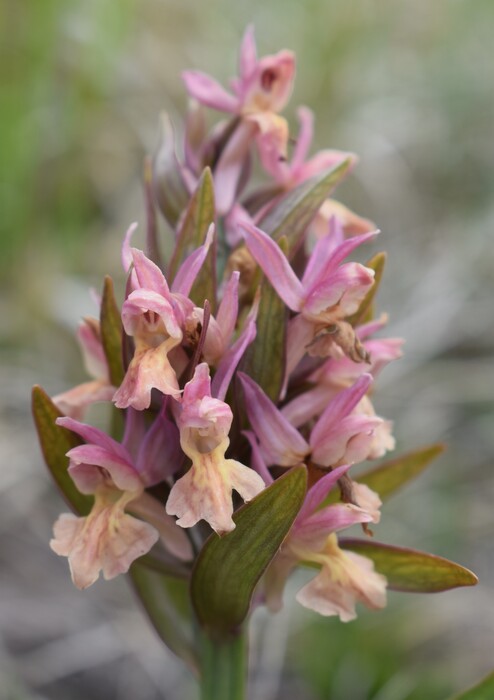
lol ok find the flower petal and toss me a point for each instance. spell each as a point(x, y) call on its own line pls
point(205, 492)
point(209, 92)
point(230, 165)
point(275, 266)
point(149, 369)
point(94, 436)
point(318, 492)
point(281, 443)
point(233, 355)
point(191, 266)
point(228, 308)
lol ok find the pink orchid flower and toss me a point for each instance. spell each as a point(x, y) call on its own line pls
point(205, 492)
point(299, 168)
point(291, 173)
point(341, 372)
point(344, 578)
point(109, 539)
point(260, 92)
point(340, 435)
point(74, 402)
point(264, 85)
point(327, 293)
point(156, 317)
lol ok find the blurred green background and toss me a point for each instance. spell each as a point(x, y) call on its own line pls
point(409, 87)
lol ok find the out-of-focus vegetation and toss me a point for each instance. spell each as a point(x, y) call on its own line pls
point(409, 87)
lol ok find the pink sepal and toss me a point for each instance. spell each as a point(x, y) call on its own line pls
point(281, 444)
point(159, 455)
point(345, 287)
point(209, 92)
point(248, 53)
point(226, 317)
point(234, 354)
point(268, 86)
point(339, 516)
point(230, 164)
point(275, 266)
point(148, 274)
point(191, 266)
point(338, 435)
point(138, 310)
point(207, 416)
point(94, 436)
point(318, 492)
point(127, 259)
point(95, 362)
point(88, 459)
point(73, 403)
point(257, 461)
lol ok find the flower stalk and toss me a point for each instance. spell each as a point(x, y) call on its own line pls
point(224, 666)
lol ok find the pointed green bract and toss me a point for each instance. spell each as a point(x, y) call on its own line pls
point(364, 314)
point(166, 601)
point(228, 568)
point(111, 333)
point(55, 443)
point(264, 360)
point(411, 571)
point(391, 476)
point(482, 691)
point(169, 186)
point(200, 214)
point(296, 209)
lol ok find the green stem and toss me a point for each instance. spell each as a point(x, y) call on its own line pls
point(224, 667)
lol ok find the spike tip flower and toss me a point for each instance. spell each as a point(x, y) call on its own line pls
point(242, 371)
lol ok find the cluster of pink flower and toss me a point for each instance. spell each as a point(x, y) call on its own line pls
point(186, 362)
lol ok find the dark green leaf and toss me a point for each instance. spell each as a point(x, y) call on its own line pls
point(296, 209)
point(169, 187)
point(111, 333)
point(482, 691)
point(228, 568)
point(411, 571)
point(166, 601)
point(264, 360)
point(390, 476)
point(199, 216)
point(55, 443)
point(364, 313)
